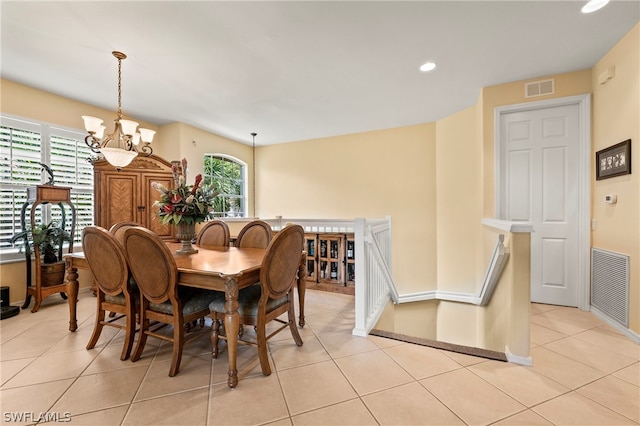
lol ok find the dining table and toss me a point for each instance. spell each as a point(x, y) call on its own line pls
point(226, 269)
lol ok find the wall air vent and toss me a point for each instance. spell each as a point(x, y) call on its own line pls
point(610, 284)
point(539, 88)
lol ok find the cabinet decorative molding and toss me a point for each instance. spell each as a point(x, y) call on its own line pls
point(127, 195)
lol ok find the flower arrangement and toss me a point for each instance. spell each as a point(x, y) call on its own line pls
point(185, 203)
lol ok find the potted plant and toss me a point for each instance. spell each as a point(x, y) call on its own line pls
point(49, 239)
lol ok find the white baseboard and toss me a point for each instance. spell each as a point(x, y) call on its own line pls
point(622, 329)
point(517, 359)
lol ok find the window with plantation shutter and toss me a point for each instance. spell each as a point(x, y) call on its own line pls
point(24, 145)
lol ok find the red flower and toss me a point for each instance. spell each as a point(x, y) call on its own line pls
point(197, 183)
point(168, 208)
point(176, 198)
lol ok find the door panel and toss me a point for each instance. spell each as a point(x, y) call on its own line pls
point(539, 155)
point(119, 203)
point(150, 196)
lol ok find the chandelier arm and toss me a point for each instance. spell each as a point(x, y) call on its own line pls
point(93, 143)
point(146, 149)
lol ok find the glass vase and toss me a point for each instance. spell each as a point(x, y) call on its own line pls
point(186, 233)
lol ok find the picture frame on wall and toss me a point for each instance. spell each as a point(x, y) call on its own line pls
point(614, 160)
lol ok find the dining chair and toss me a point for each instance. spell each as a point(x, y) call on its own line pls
point(214, 233)
point(161, 299)
point(256, 233)
point(263, 303)
point(118, 229)
point(114, 291)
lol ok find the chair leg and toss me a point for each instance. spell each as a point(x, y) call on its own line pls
point(97, 327)
point(130, 330)
point(178, 343)
point(215, 332)
point(292, 324)
point(262, 349)
point(142, 338)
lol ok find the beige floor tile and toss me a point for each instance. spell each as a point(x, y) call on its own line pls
point(247, 364)
point(348, 413)
point(185, 408)
point(33, 342)
point(328, 323)
point(524, 418)
point(50, 367)
point(286, 354)
point(463, 359)
point(110, 417)
point(519, 382)
point(472, 399)
point(605, 337)
point(195, 372)
point(594, 356)
point(78, 340)
point(100, 391)
point(567, 321)
point(630, 374)
point(256, 400)
point(409, 404)
point(344, 344)
point(10, 368)
point(615, 394)
point(384, 342)
point(538, 308)
point(32, 399)
point(575, 409)
point(421, 361)
point(314, 386)
point(108, 359)
point(372, 371)
point(561, 369)
point(541, 335)
point(284, 422)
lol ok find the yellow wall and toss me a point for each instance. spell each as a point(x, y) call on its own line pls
point(616, 117)
point(27, 102)
point(368, 175)
point(458, 201)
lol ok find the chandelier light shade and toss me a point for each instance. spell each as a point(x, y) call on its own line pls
point(121, 146)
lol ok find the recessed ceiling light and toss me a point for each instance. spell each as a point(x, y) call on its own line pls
point(594, 5)
point(427, 66)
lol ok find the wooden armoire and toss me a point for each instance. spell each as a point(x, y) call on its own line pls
point(127, 195)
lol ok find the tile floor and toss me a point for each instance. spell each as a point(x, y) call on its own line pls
point(584, 373)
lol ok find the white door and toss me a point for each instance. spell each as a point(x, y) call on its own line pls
point(540, 184)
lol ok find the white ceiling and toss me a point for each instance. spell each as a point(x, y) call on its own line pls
point(297, 70)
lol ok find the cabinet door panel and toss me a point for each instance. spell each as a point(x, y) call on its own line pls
point(119, 200)
point(150, 196)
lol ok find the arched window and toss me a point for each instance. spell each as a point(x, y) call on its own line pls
point(230, 176)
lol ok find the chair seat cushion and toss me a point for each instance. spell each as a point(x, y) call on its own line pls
point(118, 299)
point(248, 299)
point(193, 300)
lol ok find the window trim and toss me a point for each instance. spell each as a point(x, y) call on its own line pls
point(245, 182)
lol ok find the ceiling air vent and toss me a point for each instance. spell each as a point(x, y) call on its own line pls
point(539, 88)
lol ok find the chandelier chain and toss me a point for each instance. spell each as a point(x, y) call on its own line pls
point(119, 88)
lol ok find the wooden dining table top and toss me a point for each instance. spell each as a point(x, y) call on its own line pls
point(216, 259)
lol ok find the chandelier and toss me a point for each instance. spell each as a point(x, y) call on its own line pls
point(126, 137)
